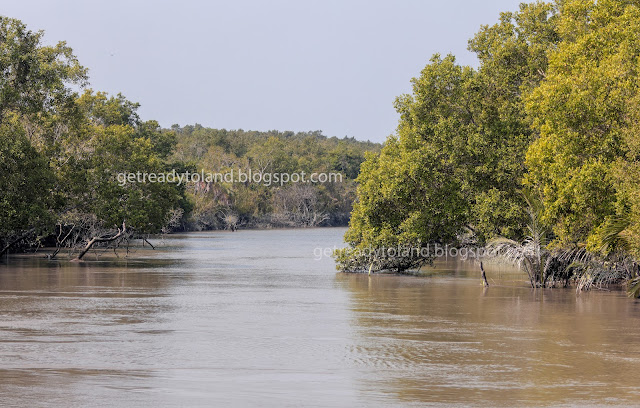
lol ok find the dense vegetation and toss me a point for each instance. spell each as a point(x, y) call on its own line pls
point(229, 205)
point(62, 147)
point(535, 153)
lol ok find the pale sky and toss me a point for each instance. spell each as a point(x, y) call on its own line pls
point(327, 65)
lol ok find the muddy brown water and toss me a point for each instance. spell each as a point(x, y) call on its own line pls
point(252, 318)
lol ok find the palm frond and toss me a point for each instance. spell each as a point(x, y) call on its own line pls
point(613, 236)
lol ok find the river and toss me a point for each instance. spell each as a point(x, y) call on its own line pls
point(257, 318)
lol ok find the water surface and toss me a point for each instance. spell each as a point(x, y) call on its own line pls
point(251, 318)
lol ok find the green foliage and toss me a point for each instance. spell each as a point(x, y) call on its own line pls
point(626, 177)
point(457, 161)
point(144, 206)
point(410, 194)
point(34, 77)
point(513, 57)
point(107, 111)
point(256, 205)
point(531, 254)
point(60, 153)
point(580, 111)
point(34, 96)
point(552, 111)
point(25, 179)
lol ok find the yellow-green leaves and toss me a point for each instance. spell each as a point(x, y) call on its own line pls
point(580, 111)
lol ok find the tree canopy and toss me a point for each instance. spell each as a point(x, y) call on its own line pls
point(551, 112)
point(62, 147)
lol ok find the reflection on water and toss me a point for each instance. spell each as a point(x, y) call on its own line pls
point(448, 340)
point(251, 318)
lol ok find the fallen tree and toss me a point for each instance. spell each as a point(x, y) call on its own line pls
point(121, 232)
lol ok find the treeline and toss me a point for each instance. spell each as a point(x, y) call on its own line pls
point(222, 205)
point(62, 147)
point(536, 152)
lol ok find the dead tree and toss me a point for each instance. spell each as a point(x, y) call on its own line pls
point(121, 232)
point(59, 242)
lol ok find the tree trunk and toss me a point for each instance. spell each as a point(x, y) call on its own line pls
point(147, 241)
point(60, 243)
point(484, 276)
point(93, 240)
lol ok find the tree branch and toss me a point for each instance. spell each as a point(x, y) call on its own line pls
point(121, 232)
point(15, 241)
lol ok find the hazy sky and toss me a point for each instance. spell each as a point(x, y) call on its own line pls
point(327, 65)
